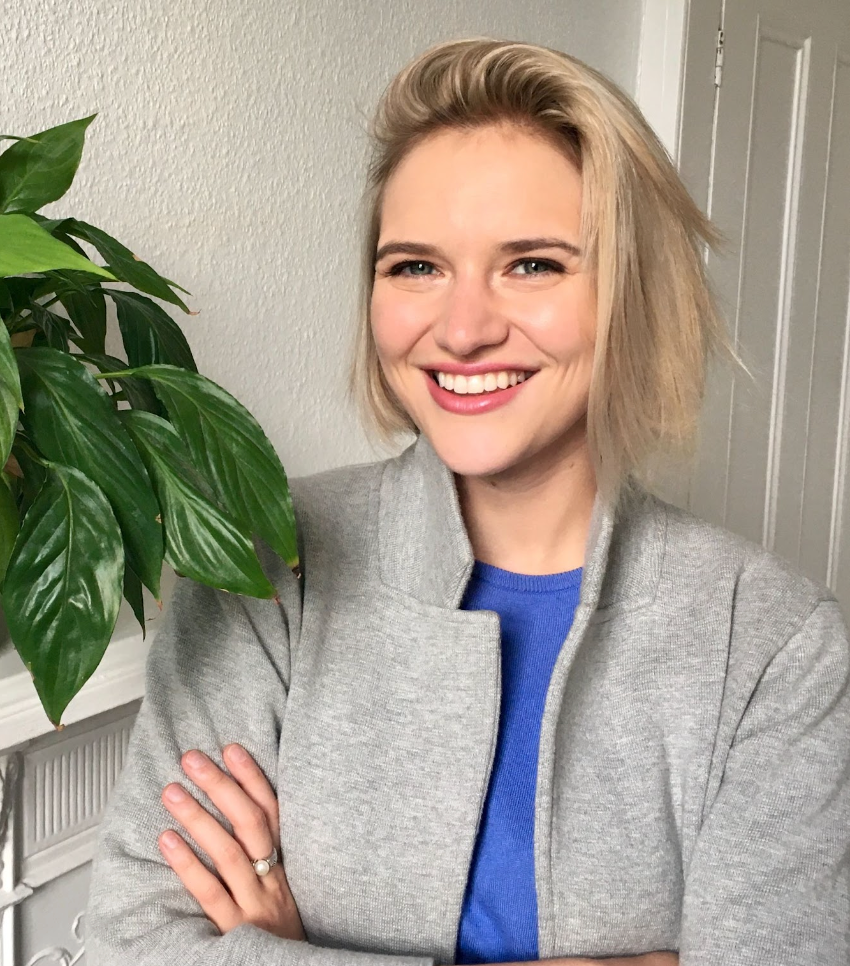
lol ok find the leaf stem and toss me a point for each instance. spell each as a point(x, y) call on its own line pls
point(32, 453)
point(117, 375)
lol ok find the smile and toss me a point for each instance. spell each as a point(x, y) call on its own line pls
point(474, 395)
point(484, 382)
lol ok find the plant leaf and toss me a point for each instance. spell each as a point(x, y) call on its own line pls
point(202, 541)
point(150, 334)
point(72, 421)
point(63, 586)
point(138, 392)
point(86, 308)
point(134, 596)
point(124, 263)
point(34, 472)
point(50, 224)
point(26, 247)
point(179, 288)
point(39, 169)
point(232, 453)
point(11, 401)
point(54, 328)
point(10, 524)
point(20, 292)
point(56, 227)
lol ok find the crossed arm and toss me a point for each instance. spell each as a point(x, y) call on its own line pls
point(240, 896)
point(767, 881)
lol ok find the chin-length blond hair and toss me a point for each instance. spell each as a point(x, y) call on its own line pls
point(643, 240)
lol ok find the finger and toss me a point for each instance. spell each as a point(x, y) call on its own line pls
point(209, 893)
point(249, 821)
point(228, 855)
point(250, 776)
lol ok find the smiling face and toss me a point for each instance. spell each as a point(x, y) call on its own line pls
point(480, 284)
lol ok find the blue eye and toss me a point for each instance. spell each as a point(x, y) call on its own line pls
point(398, 269)
point(547, 266)
point(401, 268)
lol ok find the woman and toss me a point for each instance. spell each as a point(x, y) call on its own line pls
point(517, 707)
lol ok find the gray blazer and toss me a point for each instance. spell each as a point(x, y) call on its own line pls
point(693, 785)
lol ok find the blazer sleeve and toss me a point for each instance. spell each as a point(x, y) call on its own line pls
point(218, 671)
point(769, 880)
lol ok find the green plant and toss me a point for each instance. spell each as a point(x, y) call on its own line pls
point(110, 465)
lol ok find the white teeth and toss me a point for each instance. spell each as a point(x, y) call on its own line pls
point(479, 384)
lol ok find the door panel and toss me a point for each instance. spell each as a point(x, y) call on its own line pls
point(772, 458)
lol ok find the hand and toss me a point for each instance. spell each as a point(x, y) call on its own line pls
point(250, 804)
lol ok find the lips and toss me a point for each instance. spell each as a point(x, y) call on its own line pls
point(466, 405)
point(473, 385)
point(475, 368)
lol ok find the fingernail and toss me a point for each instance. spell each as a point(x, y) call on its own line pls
point(174, 793)
point(195, 759)
point(170, 840)
point(237, 753)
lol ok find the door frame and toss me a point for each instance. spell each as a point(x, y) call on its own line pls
point(675, 90)
point(658, 90)
point(674, 87)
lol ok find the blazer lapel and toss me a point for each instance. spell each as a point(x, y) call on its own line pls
point(425, 550)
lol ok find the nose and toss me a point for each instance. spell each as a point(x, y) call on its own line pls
point(469, 318)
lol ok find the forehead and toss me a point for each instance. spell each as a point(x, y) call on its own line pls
point(488, 180)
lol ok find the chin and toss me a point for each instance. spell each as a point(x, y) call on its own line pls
point(475, 454)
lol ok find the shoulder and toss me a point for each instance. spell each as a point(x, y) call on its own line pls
point(343, 493)
point(328, 485)
point(336, 513)
point(774, 640)
point(764, 589)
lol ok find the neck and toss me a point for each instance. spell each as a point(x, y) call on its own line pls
point(532, 519)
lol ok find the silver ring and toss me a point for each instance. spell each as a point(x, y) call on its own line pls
point(264, 866)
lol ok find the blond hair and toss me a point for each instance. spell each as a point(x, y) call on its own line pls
point(643, 240)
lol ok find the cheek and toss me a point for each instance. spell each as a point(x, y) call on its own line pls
point(564, 327)
point(398, 322)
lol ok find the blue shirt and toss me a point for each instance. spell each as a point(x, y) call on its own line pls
point(499, 916)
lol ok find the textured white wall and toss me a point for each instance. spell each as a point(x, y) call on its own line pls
point(229, 153)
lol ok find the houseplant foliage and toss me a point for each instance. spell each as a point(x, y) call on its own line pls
point(110, 465)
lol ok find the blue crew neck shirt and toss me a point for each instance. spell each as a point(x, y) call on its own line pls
point(499, 916)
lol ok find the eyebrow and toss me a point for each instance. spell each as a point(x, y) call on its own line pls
point(518, 246)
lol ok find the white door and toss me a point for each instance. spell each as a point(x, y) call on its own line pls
point(773, 459)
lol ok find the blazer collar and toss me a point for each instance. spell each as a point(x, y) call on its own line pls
point(425, 550)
